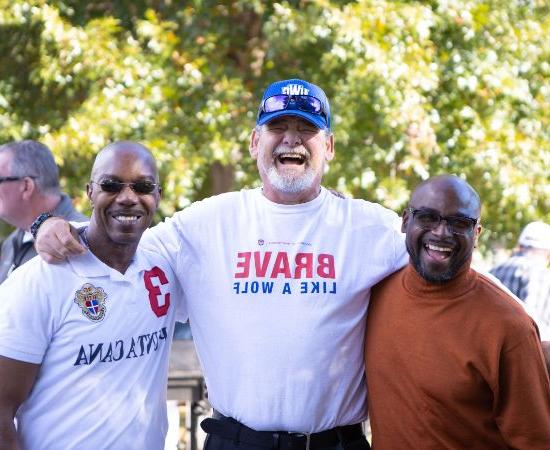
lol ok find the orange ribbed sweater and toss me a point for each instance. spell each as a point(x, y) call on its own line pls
point(453, 366)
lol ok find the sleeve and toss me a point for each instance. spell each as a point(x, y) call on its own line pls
point(522, 400)
point(401, 255)
point(182, 315)
point(178, 239)
point(26, 321)
point(165, 239)
point(400, 250)
point(391, 223)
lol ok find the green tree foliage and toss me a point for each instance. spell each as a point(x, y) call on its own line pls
point(417, 88)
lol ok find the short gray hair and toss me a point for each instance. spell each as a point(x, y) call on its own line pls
point(33, 159)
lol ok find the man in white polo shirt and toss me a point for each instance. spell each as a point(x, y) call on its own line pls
point(84, 345)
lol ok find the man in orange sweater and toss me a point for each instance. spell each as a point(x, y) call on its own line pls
point(452, 361)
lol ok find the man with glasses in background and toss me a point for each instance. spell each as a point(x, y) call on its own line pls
point(277, 281)
point(452, 360)
point(29, 185)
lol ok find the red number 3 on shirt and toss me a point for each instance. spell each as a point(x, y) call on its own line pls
point(159, 304)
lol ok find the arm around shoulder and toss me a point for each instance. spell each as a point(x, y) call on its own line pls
point(56, 239)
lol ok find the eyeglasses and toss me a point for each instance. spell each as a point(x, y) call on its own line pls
point(4, 179)
point(428, 219)
point(281, 102)
point(139, 187)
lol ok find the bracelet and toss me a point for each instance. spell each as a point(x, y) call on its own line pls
point(39, 221)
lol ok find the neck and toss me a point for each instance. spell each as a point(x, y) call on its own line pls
point(115, 255)
point(462, 282)
point(291, 198)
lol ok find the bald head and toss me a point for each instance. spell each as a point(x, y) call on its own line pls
point(443, 189)
point(123, 150)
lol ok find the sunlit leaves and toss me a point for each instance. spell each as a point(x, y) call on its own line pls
point(417, 88)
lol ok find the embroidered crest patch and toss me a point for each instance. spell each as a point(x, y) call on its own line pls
point(91, 301)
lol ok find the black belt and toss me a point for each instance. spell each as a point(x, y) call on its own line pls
point(351, 436)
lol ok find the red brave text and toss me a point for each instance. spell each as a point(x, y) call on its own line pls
point(281, 264)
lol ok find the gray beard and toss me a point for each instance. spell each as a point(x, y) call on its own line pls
point(291, 184)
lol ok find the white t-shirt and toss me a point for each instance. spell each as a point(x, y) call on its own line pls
point(103, 341)
point(277, 297)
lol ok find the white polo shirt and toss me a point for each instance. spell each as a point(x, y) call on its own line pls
point(103, 341)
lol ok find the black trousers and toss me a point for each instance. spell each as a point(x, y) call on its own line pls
point(217, 442)
point(214, 442)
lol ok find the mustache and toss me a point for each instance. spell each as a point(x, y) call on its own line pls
point(440, 242)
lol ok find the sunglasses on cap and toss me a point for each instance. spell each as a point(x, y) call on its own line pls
point(428, 219)
point(139, 187)
point(280, 102)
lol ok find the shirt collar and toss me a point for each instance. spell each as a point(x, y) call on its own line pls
point(89, 266)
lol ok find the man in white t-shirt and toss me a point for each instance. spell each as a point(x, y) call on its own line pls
point(84, 345)
point(277, 282)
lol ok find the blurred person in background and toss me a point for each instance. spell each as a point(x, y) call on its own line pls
point(526, 272)
point(29, 185)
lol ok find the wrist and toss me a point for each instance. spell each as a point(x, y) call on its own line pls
point(38, 222)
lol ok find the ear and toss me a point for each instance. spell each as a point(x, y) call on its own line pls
point(29, 188)
point(329, 153)
point(158, 197)
point(253, 147)
point(89, 192)
point(405, 217)
point(477, 232)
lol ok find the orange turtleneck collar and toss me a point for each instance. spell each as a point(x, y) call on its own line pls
point(417, 286)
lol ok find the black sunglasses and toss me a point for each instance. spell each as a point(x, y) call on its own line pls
point(4, 179)
point(139, 187)
point(428, 219)
point(281, 102)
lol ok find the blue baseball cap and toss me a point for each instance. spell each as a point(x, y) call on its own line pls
point(295, 98)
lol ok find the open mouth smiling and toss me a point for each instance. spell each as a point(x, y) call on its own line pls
point(438, 251)
point(126, 219)
point(291, 158)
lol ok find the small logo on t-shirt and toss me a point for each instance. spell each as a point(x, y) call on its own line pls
point(91, 301)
